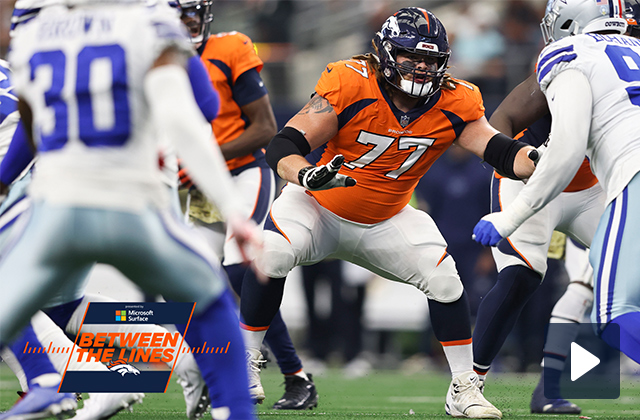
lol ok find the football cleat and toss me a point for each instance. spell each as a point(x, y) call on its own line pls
point(299, 394)
point(254, 365)
point(196, 393)
point(103, 406)
point(42, 403)
point(465, 401)
point(542, 405)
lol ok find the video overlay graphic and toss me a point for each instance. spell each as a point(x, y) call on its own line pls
point(134, 353)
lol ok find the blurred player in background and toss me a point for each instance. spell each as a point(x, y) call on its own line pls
point(244, 125)
point(147, 79)
point(589, 75)
point(68, 305)
point(44, 397)
point(385, 118)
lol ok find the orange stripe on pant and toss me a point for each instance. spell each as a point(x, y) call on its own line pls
point(456, 342)
point(250, 328)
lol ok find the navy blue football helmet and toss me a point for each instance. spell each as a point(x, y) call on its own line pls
point(418, 32)
point(200, 9)
point(632, 14)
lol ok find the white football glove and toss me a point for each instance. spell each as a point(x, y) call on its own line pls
point(316, 178)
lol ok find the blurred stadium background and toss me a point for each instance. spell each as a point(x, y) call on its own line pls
point(340, 316)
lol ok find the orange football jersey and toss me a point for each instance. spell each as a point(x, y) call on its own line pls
point(226, 56)
point(386, 150)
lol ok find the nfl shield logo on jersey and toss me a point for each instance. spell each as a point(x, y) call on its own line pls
point(404, 121)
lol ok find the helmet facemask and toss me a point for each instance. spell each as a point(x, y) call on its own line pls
point(418, 77)
point(197, 17)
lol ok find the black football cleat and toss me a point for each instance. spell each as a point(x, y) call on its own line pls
point(299, 394)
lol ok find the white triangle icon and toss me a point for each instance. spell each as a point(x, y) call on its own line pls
point(581, 361)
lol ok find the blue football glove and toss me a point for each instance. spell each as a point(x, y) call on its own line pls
point(494, 227)
point(324, 177)
point(485, 233)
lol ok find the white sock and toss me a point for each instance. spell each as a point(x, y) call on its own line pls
point(459, 356)
point(299, 373)
point(253, 339)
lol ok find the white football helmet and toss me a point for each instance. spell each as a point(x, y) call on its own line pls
point(565, 18)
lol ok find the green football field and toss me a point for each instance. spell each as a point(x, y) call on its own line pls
point(381, 395)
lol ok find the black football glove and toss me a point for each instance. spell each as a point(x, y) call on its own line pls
point(536, 154)
point(316, 178)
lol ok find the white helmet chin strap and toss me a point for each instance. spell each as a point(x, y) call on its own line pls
point(415, 89)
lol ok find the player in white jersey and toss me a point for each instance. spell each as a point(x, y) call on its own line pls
point(69, 315)
point(590, 76)
point(109, 69)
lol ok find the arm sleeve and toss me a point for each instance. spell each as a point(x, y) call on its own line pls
point(17, 158)
point(206, 96)
point(176, 113)
point(570, 102)
point(248, 88)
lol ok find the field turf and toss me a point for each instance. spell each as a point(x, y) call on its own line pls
point(381, 395)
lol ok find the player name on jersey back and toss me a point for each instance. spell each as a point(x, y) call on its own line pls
point(82, 70)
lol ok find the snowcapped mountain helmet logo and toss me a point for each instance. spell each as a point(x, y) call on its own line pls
point(122, 367)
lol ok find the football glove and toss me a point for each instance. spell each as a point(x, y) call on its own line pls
point(316, 178)
point(486, 234)
point(536, 154)
point(494, 227)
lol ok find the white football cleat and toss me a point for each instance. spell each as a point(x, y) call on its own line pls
point(465, 401)
point(196, 393)
point(103, 406)
point(254, 364)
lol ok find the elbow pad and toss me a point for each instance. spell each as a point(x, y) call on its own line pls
point(288, 141)
point(501, 153)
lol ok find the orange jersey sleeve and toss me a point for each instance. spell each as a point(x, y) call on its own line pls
point(227, 56)
point(386, 150)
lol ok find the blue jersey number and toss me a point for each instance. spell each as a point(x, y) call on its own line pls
point(627, 64)
point(117, 129)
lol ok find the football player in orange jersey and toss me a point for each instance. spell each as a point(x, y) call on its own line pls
point(244, 125)
point(384, 118)
point(521, 259)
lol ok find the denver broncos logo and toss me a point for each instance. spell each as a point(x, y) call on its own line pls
point(122, 367)
point(392, 25)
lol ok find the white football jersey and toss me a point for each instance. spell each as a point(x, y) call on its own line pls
point(82, 71)
point(611, 63)
point(8, 109)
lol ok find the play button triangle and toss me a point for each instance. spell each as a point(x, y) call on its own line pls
point(581, 361)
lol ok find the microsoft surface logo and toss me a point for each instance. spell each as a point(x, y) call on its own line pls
point(121, 315)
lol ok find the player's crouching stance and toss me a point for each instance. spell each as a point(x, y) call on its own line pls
point(385, 118)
